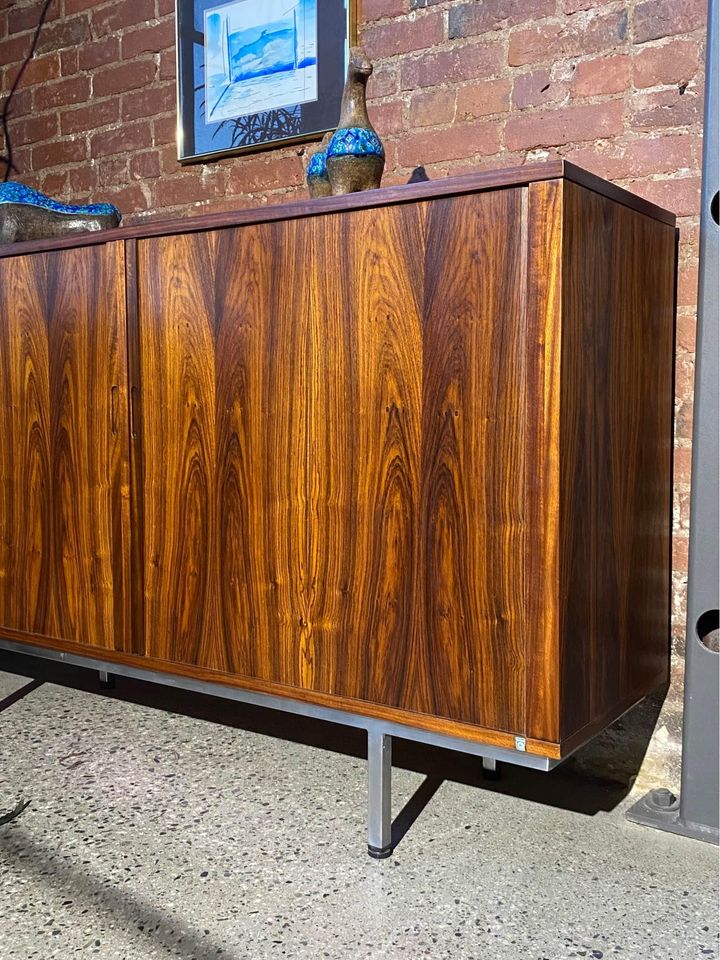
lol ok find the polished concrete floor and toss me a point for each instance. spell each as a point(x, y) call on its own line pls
point(165, 825)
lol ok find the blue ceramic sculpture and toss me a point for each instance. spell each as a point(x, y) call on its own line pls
point(316, 176)
point(355, 156)
point(27, 214)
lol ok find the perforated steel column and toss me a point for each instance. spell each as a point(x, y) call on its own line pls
point(695, 814)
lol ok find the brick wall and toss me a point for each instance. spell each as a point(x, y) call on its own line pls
point(614, 85)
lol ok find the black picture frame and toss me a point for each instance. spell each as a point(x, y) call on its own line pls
point(235, 55)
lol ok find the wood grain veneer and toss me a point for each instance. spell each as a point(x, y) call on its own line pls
point(616, 412)
point(64, 498)
point(406, 454)
point(334, 432)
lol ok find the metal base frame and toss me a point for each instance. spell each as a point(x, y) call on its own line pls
point(662, 810)
point(380, 732)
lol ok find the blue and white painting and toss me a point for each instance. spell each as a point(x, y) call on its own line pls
point(259, 57)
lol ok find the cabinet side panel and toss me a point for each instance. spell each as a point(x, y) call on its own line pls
point(545, 222)
point(64, 480)
point(616, 443)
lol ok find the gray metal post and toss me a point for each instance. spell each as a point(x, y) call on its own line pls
point(379, 793)
point(695, 814)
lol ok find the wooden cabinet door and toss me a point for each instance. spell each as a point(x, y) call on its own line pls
point(64, 516)
point(334, 429)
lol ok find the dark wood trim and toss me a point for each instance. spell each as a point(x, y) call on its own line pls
point(613, 192)
point(421, 721)
point(134, 394)
point(404, 193)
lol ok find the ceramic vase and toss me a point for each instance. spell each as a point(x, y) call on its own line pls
point(355, 155)
point(316, 175)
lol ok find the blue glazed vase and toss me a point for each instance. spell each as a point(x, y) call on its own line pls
point(316, 175)
point(355, 156)
point(27, 214)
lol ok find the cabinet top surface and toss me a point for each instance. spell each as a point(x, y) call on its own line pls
point(385, 196)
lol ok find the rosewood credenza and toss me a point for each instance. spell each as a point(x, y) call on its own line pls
point(401, 459)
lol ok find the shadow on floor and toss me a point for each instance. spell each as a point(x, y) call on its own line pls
point(77, 883)
point(567, 787)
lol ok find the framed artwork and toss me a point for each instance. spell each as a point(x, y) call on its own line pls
point(254, 74)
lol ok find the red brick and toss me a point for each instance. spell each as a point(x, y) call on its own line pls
point(165, 131)
point(667, 108)
point(123, 77)
point(22, 19)
point(680, 195)
point(463, 62)
point(431, 108)
point(457, 143)
point(58, 153)
point(61, 93)
point(680, 552)
point(82, 179)
point(79, 6)
point(168, 65)
point(54, 184)
point(602, 76)
point(403, 36)
point(14, 49)
point(40, 70)
point(149, 39)
point(535, 88)
point(99, 53)
point(472, 18)
point(571, 124)
point(567, 38)
point(145, 166)
point(64, 33)
point(165, 7)
point(22, 100)
point(112, 17)
point(640, 157)
point(381, 9)
point(654, 19)
point(127, 199)
point(148, 102)
point(89, 118)
point(573, 6)
point(135, 136)
point(112, 171)
point(687, 284)
point(682, 464)
point(673, 62)
point(168, 156)
point(69, 62)
point(387, 118)
point(385, 81)
point(255, 174)
point(483, 99)
point(183, 190)
point(684, 378)
point(34, 129)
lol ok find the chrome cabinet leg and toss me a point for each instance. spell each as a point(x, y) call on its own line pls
point(379, 793)
point(107, 680)
point(491, 769)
